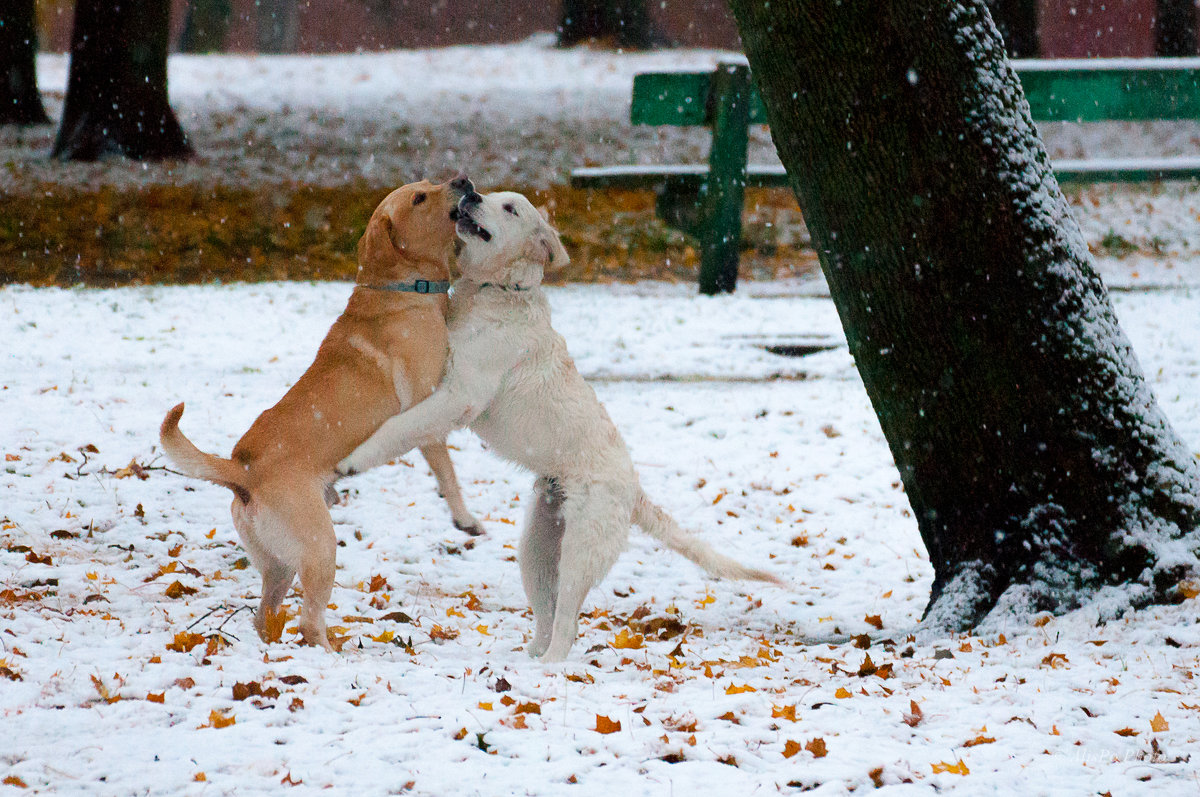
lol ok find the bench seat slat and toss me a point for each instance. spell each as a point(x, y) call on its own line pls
point(1058, 91)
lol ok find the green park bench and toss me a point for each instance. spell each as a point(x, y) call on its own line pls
point(705, 199)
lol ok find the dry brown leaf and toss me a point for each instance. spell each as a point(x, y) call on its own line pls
point(606, 725)
point(978, 740)
point(958, 768)
point(185, 641)
point(816, 746)
point(913, 719)
point(874, 620)
point(1159, 723)
point(791, 747)
point(176, 590)
point(217, 718)
point(628, 641)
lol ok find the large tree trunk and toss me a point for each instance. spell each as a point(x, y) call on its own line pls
point(20, 103)
point(117, 86)
point(1037, 462)
point(627, 23)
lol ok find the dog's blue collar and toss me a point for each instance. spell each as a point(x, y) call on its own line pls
point(417, 286)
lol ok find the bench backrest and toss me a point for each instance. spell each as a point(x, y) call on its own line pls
point(1081, 90)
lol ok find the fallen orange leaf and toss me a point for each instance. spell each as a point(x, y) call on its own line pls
point(217, 719)
point(959, 768)
point(627, 641)
point(817, 747)
point(606, 725)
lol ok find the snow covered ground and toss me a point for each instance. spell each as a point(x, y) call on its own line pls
point(128, 664)
point(131, 665)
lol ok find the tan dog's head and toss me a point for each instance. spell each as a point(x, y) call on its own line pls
point(411, 233)
point(505, 240)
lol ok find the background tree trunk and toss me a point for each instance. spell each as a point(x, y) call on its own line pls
point(1037, 462)
point(1017, 21)
point(117, 85)
point(278, 26)
point(206, 26)
point(626, 22)
point(20, 103)
point(1175, 28)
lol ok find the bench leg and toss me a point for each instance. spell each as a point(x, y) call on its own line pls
point(721, 234)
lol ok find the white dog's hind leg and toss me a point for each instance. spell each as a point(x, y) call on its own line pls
point(596, 528)
point(540, 549)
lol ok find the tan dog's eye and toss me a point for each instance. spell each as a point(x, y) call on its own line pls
point(510, 209)
point(418, 199)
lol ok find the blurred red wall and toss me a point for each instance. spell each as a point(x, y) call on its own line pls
point(1096, 28)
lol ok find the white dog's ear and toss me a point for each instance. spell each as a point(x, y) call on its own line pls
point(545, 248)
point(377, 247)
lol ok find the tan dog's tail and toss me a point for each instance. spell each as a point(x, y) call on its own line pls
point(197, 464)
point(654, 520)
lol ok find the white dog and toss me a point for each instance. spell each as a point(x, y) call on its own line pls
point(509, 378)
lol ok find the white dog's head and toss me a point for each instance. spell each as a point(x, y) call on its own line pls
point(505, 240)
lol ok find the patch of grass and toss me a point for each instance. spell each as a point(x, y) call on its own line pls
point(192, 234)
point(1116, 245)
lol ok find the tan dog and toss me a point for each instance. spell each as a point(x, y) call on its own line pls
point(510, 378)
point(385, 353)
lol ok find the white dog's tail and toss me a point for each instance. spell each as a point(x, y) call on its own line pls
point(654, 520)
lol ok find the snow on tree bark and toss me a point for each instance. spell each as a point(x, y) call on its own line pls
point(116, 101)
point(1036, 459)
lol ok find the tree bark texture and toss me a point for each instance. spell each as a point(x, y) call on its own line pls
point(116, 100)
point(20, 103)
point(626, 22)
point(1037, 462)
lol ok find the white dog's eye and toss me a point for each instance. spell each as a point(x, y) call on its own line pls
point(509, 208)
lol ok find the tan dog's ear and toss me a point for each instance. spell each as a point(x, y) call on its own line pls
point(377, 247)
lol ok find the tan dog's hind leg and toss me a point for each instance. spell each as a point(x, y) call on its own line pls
point(596, 529)
point(540, 549)
point(293, 533)
point(277, 575)
point(443, 470)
